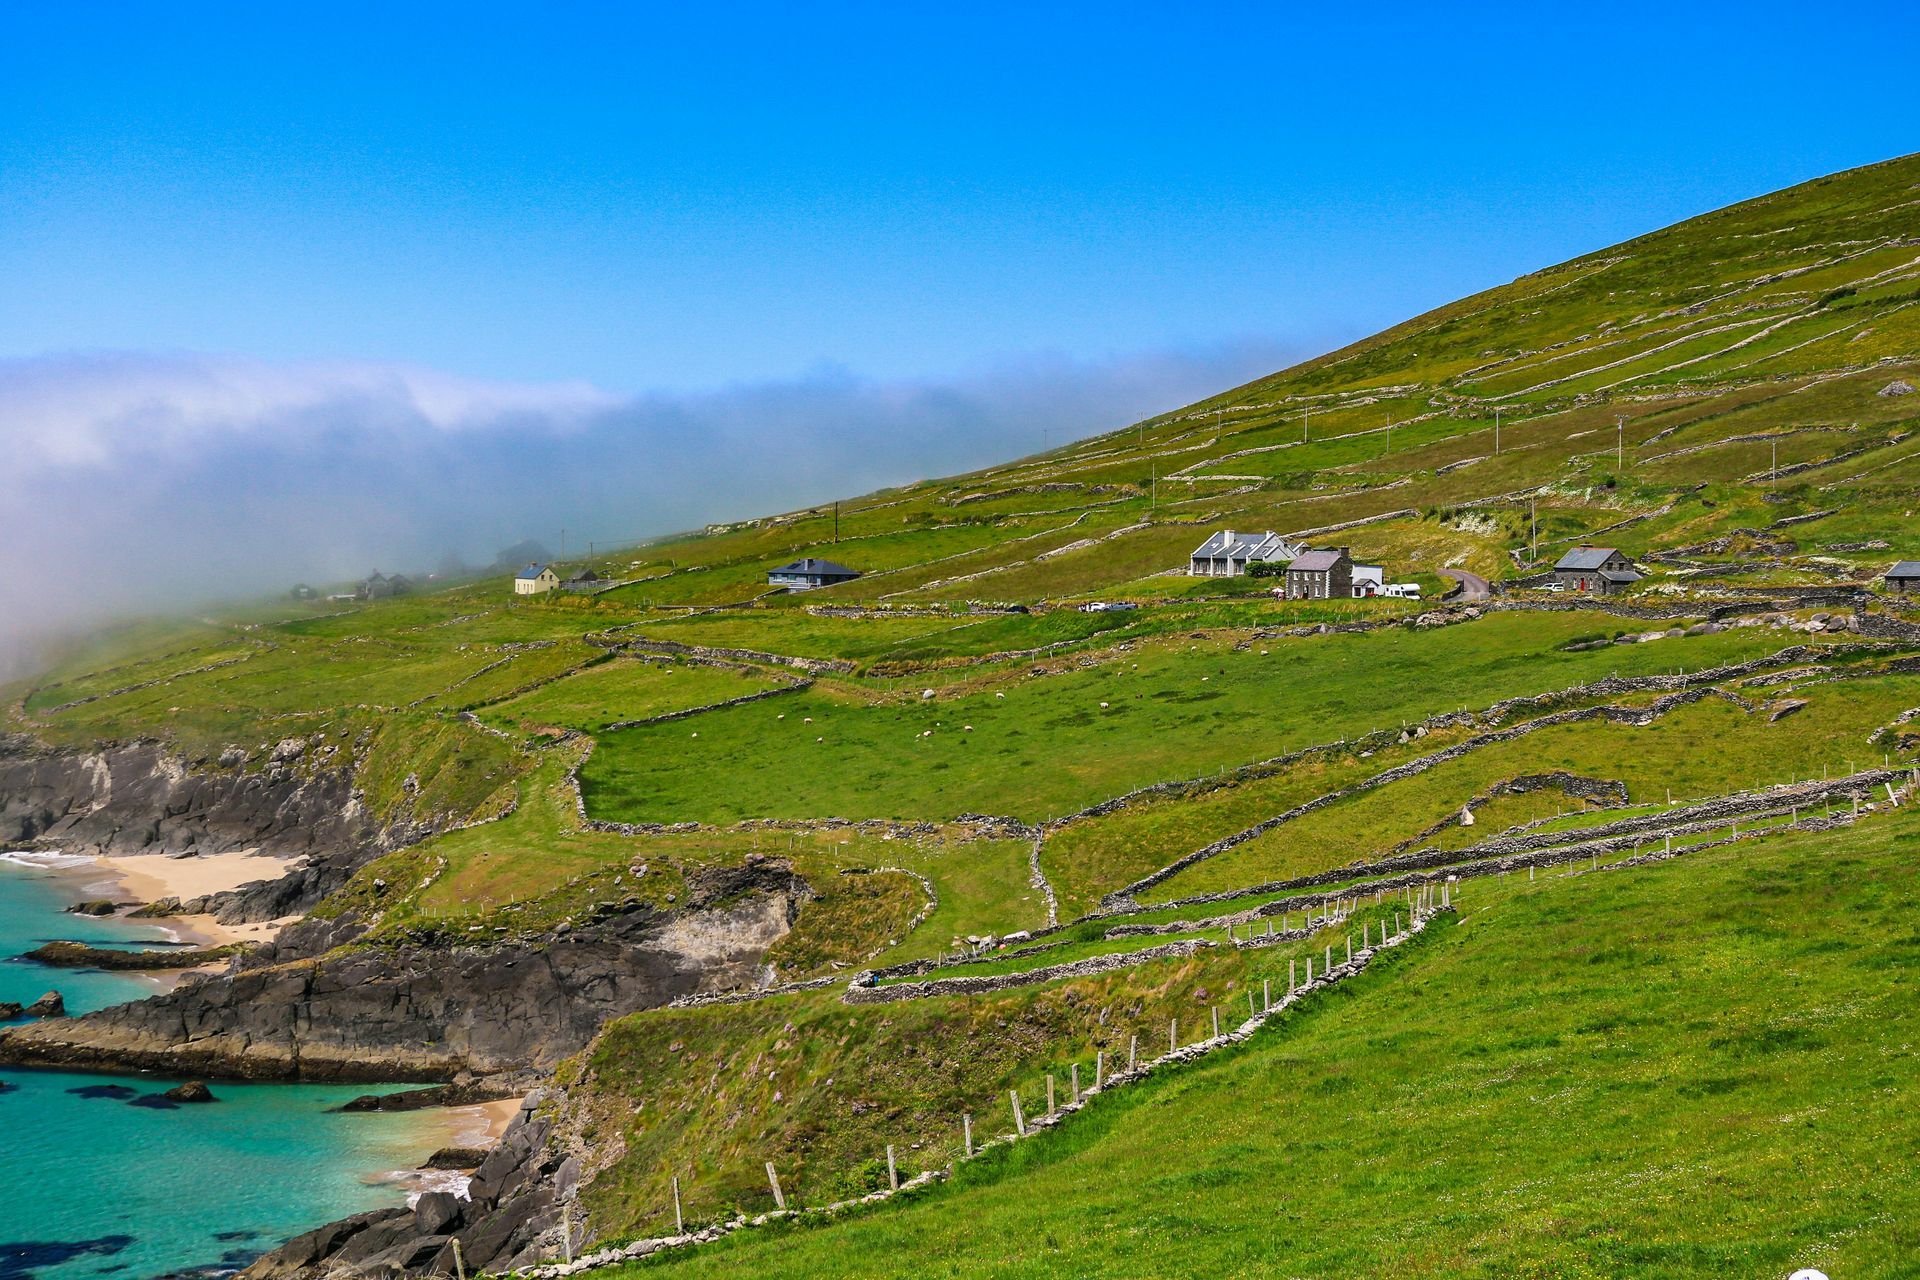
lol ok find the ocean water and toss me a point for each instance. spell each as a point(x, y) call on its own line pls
point(92, 1183)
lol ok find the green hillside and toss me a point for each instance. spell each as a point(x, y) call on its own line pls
point(1686, 1067)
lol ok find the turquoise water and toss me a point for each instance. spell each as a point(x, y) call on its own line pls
point(92, 1185)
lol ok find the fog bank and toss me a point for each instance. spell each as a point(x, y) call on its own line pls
point(131, 483)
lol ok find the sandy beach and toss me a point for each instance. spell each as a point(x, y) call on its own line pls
point(150, 877)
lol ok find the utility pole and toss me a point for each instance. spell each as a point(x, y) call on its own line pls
point(1389, 435)
point(1303, 424)
point(1620, 442)
point(1533, 526)
point(1496, 431)
point(836, 521)
point(1153, 487)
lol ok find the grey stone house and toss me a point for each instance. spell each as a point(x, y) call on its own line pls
point(1326, 574)
point(1227, 554)
point(807, 574)
point(1904, 578)
point(1599, 570)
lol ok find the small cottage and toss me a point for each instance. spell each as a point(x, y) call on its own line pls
point(1599, 570)
point(379, 586)
point(1321, 575)
point(535, 580)
point(810, 573)
point(1904, 578)
point(1227, 554)
point(585, 580)
point(1369, 580)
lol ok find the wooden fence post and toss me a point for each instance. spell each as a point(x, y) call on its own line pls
point(1266, 993)
point(679, 1221)
point(1173, 1034)
point(459, 1262)
point(1049, 1095)
point(1293, 981)
point(1019, 1121)
point(1133, 1051)
point(1099, 1068)
point(893, 1171)
point(1216, 1022)
point(773, 1180)
point(1076, 1082)
point(966, 1129)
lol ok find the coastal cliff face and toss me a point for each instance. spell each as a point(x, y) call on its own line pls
point(141, 797)
point(315, 1007)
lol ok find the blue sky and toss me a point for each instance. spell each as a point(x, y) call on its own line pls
point(679, 197)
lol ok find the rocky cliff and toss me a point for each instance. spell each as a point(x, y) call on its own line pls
point(142, 798)
point(318, 1005)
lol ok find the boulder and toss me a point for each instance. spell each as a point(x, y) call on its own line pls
point(94, 907)
point(10, 1009)
point(50, 1005)
point(191, 1091)
point(436, 1213)
point(1898, 387)
point(456, 1158)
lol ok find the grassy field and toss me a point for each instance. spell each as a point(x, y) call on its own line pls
point(1581, 1077)
point(1038, 749)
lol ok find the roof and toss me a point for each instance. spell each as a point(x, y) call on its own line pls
point(1905, 569)
point(1586, 557)
point(813, 568)
point(1315, 561)
point(1228, 545)
point(1619, 575)
point(585, 575)
point(529, 573)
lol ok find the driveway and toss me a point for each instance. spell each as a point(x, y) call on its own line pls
point(1472, 585)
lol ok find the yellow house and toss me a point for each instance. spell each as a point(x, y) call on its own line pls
point(535, 579)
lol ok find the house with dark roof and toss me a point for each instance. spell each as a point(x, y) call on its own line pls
point(1325, 574)
point(585, 580)
point(1599, 570)
point(535, 580)
point(1904, 578)
point(807, 574)
point(380, 586)
point(1227, 554)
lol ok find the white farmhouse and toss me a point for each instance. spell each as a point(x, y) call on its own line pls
point(535, 580)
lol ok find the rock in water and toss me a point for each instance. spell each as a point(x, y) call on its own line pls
point(93, 907)
point(456, 1158)
point(10, 1009)
point(50, 1005)
point(191, 1091)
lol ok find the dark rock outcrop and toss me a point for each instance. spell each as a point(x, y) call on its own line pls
point(455, 1158)
point(94, 907)
point(80, 955)
point(50, 1005)
point(416, 1012)
point(141, 797)
point(191, 1091)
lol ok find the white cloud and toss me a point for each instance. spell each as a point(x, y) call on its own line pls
point(132, 482)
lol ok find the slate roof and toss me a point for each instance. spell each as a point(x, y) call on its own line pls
point(529, 573)
point(813, 568)
point(1905, 569)
point(1228, 545)
point(1315, 561)
point(1585, 558)
point(1619, 575)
